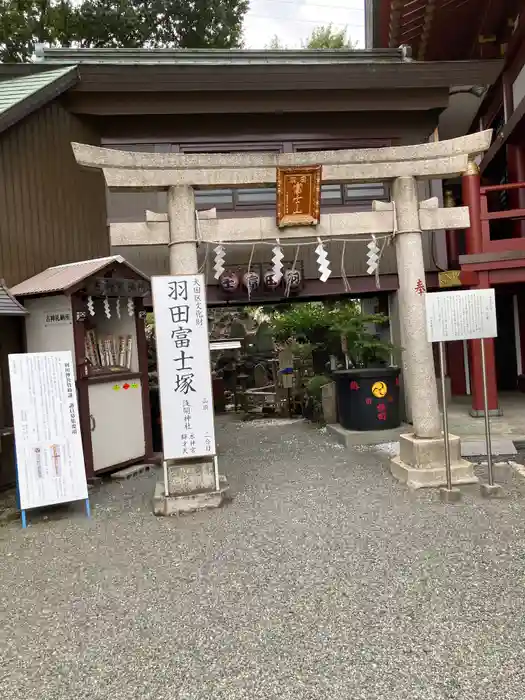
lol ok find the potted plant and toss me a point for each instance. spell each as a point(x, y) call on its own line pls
point(360, 343)
point(368, 389)
point(308, 323)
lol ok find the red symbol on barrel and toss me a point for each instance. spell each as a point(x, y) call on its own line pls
point(354, 386)
point(126, 386)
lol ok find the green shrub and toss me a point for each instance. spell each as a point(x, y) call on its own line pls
point(315, 385)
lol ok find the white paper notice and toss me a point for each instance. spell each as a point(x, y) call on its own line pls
point(183, 360)
point(50, 459)
point(465, 315)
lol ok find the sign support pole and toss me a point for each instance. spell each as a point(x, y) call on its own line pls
point(448, 470)
point(166, 481)
point(486, 415)
point(22, 511)
point(216, 473)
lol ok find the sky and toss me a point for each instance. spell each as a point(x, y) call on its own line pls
point(293, 20)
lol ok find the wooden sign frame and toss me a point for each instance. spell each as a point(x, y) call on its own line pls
point(298, 196)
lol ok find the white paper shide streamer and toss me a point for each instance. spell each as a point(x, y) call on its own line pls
point(219, 261)
point(107, 308)
point(91, 306)
point(372, 257)
point(323, 263)
point(277, 264)
point(131, 306)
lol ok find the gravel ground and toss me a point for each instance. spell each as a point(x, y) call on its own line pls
point(321, 579)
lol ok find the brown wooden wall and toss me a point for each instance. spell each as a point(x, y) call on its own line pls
point(51, 211)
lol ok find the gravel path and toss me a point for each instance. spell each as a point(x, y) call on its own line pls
point(323, 579)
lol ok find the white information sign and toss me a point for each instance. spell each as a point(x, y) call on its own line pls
point(50, 459)
point(183, 360)
point(464, 315)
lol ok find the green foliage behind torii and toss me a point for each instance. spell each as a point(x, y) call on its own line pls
point(323, 325)
point(190, 24)
point(322, 37)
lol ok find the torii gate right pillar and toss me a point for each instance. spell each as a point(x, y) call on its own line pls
point(421, 457)
point(471, 183)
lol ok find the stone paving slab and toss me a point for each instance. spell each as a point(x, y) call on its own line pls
point(323, 579)
point(478, 448)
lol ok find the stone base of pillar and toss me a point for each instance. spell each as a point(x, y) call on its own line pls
point(191, 487)
point(188, 503)
point(421, 462)
point(475, 413)
point(193, 476)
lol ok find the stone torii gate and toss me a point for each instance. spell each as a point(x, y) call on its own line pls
point(421, 459)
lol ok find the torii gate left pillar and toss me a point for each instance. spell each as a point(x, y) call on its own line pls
point(191, 485)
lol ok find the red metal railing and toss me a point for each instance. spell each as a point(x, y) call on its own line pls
point(488, 216)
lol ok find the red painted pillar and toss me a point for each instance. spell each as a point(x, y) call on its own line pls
point(456, 368)
point(470, 190)
point(474, 244)
point(476, 368)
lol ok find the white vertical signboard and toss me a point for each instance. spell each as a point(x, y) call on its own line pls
point(465, 315)
point(183, 360)
point(50, 459)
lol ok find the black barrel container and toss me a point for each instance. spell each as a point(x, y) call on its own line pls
point(368, 399)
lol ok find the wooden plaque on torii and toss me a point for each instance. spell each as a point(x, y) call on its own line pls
point(298, 196)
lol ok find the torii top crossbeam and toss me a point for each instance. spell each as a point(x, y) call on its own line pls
point(160, 171)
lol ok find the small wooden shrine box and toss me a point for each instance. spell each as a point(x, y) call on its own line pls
point(95, 308)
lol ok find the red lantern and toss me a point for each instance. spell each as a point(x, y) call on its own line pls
point(292, 279)
point(270, 281)
point(229, 281)
point(251, 281)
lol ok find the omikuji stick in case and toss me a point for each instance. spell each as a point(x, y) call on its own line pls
point(129, 351)
point(91, 348)
point(102, 353)
point(108, 347)
point(122, 351)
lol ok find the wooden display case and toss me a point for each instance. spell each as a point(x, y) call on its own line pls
point(95, 309)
